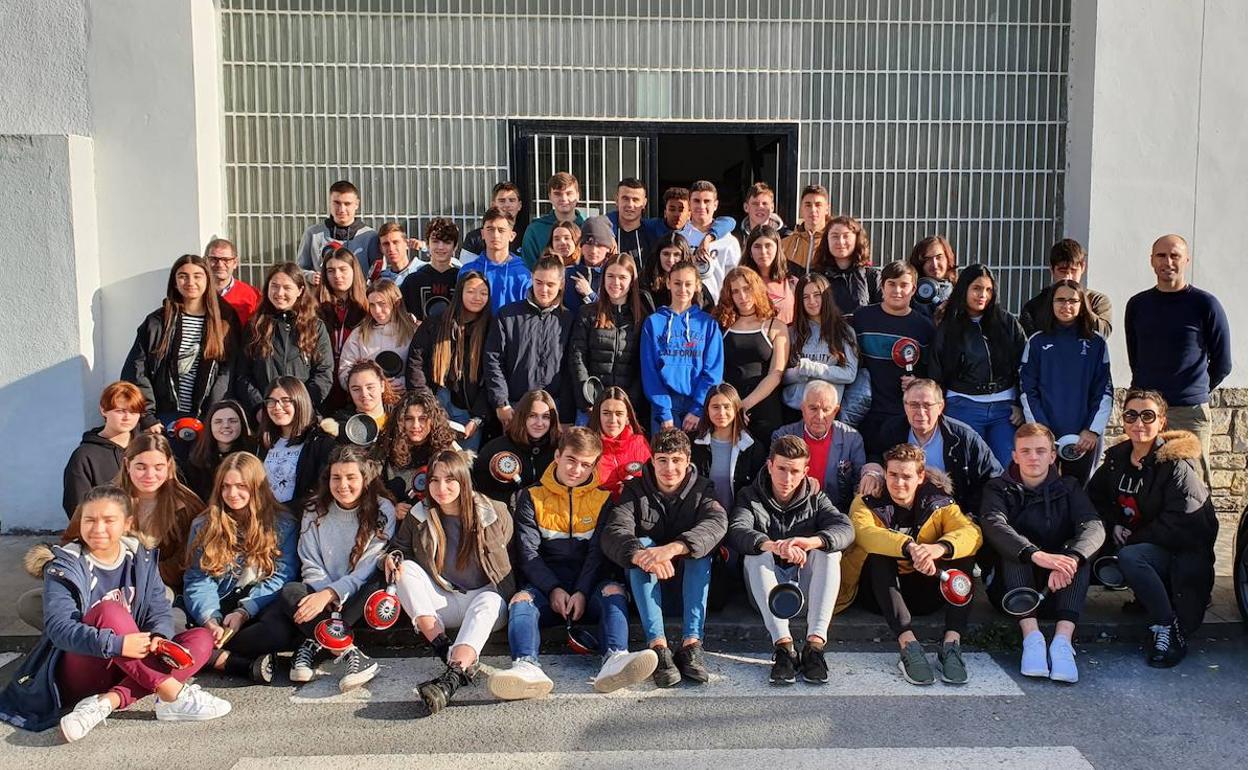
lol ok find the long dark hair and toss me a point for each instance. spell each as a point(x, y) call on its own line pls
point(604, 308)
point(303, 419)
point(357, 294)
point(653, 278)
point(518, 430)
point(307, 321)
point(469, 523)
point(1085, 322)
point(778, 270)
point(614, 393)
point(833, 328)
point(920, 249)
point(452, 348)
point(368, 510)
point(859, 257)
point(204, 452)
point(216, 330)
point(955, 318)
point(729, 392)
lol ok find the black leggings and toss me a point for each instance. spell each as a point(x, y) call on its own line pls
point(1066, 604)
point(898, 596)
point(275, 629)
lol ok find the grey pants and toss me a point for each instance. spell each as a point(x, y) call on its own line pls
point(820, 581)
point(1199, 420)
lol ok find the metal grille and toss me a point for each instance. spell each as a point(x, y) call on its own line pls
point(920, 116)
point(598, 162)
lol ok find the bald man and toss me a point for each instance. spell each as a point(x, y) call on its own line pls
point(1178, 341)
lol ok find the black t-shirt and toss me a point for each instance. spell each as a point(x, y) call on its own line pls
point(879, 335)
point(427, 292)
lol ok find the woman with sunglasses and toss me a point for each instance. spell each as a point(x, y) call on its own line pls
point(1159, 514)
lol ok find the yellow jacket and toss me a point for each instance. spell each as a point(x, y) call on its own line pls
point(799, 247)
point(938, 520)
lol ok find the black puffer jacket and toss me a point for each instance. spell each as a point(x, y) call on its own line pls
point(1055, 517)
point(692, 516)
point(758, 517)
point(524, 351)
point(286, 359)
point(612, 355)
point(965, 359)
point(465, 394)
point(157, 377)
point(854, 288)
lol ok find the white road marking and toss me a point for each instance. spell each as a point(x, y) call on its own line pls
point(8, 657)
point(937, 758)
point(732, 676)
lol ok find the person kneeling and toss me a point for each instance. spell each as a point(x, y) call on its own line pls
point(107, 627)
point(560, 558)
point(455, 572)
point(668, 513)
point(904, 539)
point(789, 531)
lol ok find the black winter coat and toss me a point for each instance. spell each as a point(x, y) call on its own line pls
point(96, 461)
point(464, 394)
point(1055, 517)
point(692, 516)
point(286, 359)
point(854, 288)
point(157, 377)
point(758, 517)
point(524, 351)
point(969, 463)
point(612, 355)
point(965, 359)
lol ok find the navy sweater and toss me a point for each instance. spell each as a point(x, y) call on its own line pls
point(1178, 343)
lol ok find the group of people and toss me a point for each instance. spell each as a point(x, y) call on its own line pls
point(676, 411)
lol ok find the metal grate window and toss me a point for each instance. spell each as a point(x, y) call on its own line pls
point(598, 162)
point(920, 116)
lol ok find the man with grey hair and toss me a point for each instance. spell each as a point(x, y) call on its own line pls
point(836, 450)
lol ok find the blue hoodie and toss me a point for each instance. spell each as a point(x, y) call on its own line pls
point(509, 282)
point(682, 356)
point(1065, 381)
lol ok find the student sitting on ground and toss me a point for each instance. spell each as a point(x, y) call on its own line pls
point(566, 579)
point(789, 531)
point(98, 458)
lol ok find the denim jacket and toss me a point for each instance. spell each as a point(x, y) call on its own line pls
point(203, 592)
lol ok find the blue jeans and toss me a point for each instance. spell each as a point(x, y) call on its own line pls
point(526, 619)
point(648, 594)
point(990, 420)
point(461, 416)
point(681, 406)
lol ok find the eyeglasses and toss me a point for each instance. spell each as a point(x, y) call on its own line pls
point(222, 260)
point(282, 402)
point(925, 406)
point(1148, 416)
point(1065, 300)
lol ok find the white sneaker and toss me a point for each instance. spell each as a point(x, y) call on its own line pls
point(623, 669)
point(192, 705)
point(523, 680)
point(1035, 656)
point(90, 711)
point(1063, 655)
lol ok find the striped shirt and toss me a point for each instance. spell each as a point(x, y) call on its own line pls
point(190, 353)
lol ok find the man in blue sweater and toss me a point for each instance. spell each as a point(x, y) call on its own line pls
point(1178, 342)
point(506, 273)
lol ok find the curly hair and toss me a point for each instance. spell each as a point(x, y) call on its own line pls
point(859, 257)
point(726, 311)
point(398, 448)
point(368, 510)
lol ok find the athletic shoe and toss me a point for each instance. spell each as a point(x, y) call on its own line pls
point(665, 672)
point(1063, 655)
point(192, 705)
point(437, 693)
point(784, 664)
point(1169, 647)
point(90, 711)
point(624, 669)
point(523, 680)
point(1035, 656)
point(689, 662)
point(262, 669)
point(814, 665)
point(952, 667)
point(360, 670)
point(301, 666)
point(914, 666)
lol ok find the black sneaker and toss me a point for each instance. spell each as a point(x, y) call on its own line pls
point(262, 669)
point(814, 665)
point(783, 665)
point(441, 645)
point(665, 674)
point(1169, 646)
point(437, 693)
point(689, 662)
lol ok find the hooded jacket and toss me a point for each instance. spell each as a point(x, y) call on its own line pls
point(937, 519)
point(690, 515)
point(969, 463)
point(96, 461)
point(846, 457)
point(415, 539)
point(524, 351)
point(612, 355)
point(623, 458)
point(157, 377)
point(758, 517)
point(203, 592)
point(32, 700)
point(1065, 382)
point(1055, 517)
point(682, 355)
point(557, 534)
point(286, 359)
point(1175, 513)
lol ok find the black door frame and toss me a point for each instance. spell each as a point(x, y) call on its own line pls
point(520, 131)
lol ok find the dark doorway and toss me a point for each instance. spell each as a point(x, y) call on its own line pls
point(732, 161)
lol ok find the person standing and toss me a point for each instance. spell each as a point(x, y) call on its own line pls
point(428, 291)
point(1067, 262)
point(564, 193)
point(506, 198)
point(799, 246)
point(508, 276)
point(222, 259)
point(626, 221)
point(342, 229)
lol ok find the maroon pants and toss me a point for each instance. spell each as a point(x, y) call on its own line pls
point(78, 676)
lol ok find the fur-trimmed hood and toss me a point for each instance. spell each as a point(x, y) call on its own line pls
point(1172, 445)
point(36, 558)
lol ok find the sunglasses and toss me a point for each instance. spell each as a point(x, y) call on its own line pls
point(1148, 416)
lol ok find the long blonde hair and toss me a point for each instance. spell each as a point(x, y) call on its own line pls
point(399, 316)
point(250, 533)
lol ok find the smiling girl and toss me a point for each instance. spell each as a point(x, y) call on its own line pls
point(519, 457)
point(387, 327)
point(227, 430)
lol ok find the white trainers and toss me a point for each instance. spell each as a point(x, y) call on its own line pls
point(90, 711)
point(192, 705)
point(1063, 661)
point(623, 669)
point(523, 680)
point(1035, 656)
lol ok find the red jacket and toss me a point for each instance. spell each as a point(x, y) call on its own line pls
point(244, 299)
point(622, 459)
